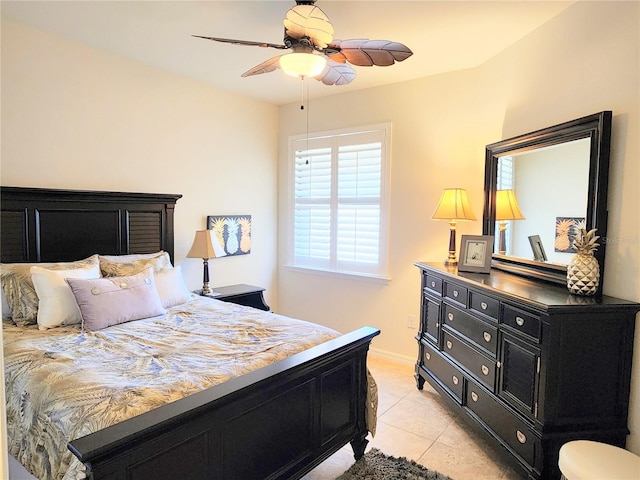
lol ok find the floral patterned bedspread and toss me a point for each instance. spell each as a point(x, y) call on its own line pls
point(62, 383)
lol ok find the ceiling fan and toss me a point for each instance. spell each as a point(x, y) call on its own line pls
point(309, 34)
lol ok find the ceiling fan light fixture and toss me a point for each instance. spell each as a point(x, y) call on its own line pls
point(302, 64)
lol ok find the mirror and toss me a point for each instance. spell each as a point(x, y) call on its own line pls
point(559, 177)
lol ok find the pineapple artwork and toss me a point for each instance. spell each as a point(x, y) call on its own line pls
point(583, 271)
point(566, 230)
point(232, 244)
point(232, 234)
point(245, 234)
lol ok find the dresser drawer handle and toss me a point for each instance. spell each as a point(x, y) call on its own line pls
point(484, 305)
point(449, 344)
point(455, 380)
point(486, 336)
point(485, 370)
point(427, 356)
point(455, 293)
point(522, 438)
point(433, 284)
point(520, 321)
point(450, 316)
point(474, 396)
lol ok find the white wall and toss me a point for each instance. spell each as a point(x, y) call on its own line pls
point(79, 118)
point(584, 61)
point(549, 183)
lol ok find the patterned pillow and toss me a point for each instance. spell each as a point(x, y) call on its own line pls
point(19, 291)
point(120, 265)
point(110, 301)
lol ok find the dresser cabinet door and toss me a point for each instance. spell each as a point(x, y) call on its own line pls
point(430, 327)
point(519, 374)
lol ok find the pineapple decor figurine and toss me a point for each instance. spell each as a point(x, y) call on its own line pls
point(583, 272)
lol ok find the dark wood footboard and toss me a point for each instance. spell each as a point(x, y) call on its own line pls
point(278, 422)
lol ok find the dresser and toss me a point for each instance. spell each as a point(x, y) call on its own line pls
point(525, 361)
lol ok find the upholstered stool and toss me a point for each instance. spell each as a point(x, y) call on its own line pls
point(586, 460)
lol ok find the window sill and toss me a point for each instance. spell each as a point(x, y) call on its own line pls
point(346, 275)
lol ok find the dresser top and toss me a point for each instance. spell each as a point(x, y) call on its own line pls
point(534, 293)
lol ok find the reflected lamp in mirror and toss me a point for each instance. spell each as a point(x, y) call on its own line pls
point(453, 207)
point(203, 248)
point(506, 209)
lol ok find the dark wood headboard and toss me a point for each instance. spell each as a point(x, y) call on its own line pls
point(50, 225)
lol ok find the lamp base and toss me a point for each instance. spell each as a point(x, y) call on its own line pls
point(451, 260)
point(206, 289)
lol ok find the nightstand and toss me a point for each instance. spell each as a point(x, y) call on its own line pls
point(241, 294)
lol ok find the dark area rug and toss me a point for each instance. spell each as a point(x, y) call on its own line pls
point(375, 465)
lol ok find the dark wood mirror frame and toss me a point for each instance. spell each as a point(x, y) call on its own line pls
point(597, 127)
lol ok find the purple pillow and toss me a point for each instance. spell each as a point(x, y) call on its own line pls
point(109, 301)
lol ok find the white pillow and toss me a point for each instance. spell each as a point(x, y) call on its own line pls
point(56, 304)
point(171, 287)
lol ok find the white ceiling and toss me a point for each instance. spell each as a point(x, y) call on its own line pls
point(444, 35)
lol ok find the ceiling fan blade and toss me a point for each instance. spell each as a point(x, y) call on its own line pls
point(243, 42)
point(336, 73)
point(365, 52)
point(265, 67)
point(308, 21)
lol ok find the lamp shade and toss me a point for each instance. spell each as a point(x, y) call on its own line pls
point(454, 205)
point(507, 206)
point(302, 64)
point(202, 245)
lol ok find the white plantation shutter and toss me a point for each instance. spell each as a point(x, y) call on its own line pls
point(505, 181)
point(340, 201)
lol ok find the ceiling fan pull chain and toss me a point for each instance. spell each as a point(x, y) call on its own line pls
point(306, 99)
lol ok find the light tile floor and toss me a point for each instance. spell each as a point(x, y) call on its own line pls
point(419, 425)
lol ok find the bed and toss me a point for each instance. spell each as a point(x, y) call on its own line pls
point(247, 420)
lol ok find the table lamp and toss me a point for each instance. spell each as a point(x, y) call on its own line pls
point(203, 248)
point(506, 209)
point(454, 207)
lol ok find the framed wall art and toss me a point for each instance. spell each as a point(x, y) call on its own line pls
point(475, 253)
point(232, 234)
point(566, 229)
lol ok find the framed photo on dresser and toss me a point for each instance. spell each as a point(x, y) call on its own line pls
point(475, 253)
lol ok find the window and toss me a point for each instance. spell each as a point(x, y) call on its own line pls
point(505, 180)
point(339, 201)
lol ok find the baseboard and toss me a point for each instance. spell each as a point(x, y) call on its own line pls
point(395, 357)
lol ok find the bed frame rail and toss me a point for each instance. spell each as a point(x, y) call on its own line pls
point(277, 422)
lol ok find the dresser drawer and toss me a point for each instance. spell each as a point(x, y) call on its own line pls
point(456, 293)
point(477, 364)
point(510, 428)
point(433, 284)
point(450, 376)
point(479, 332)
point(521, 321)
point(485, 305)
